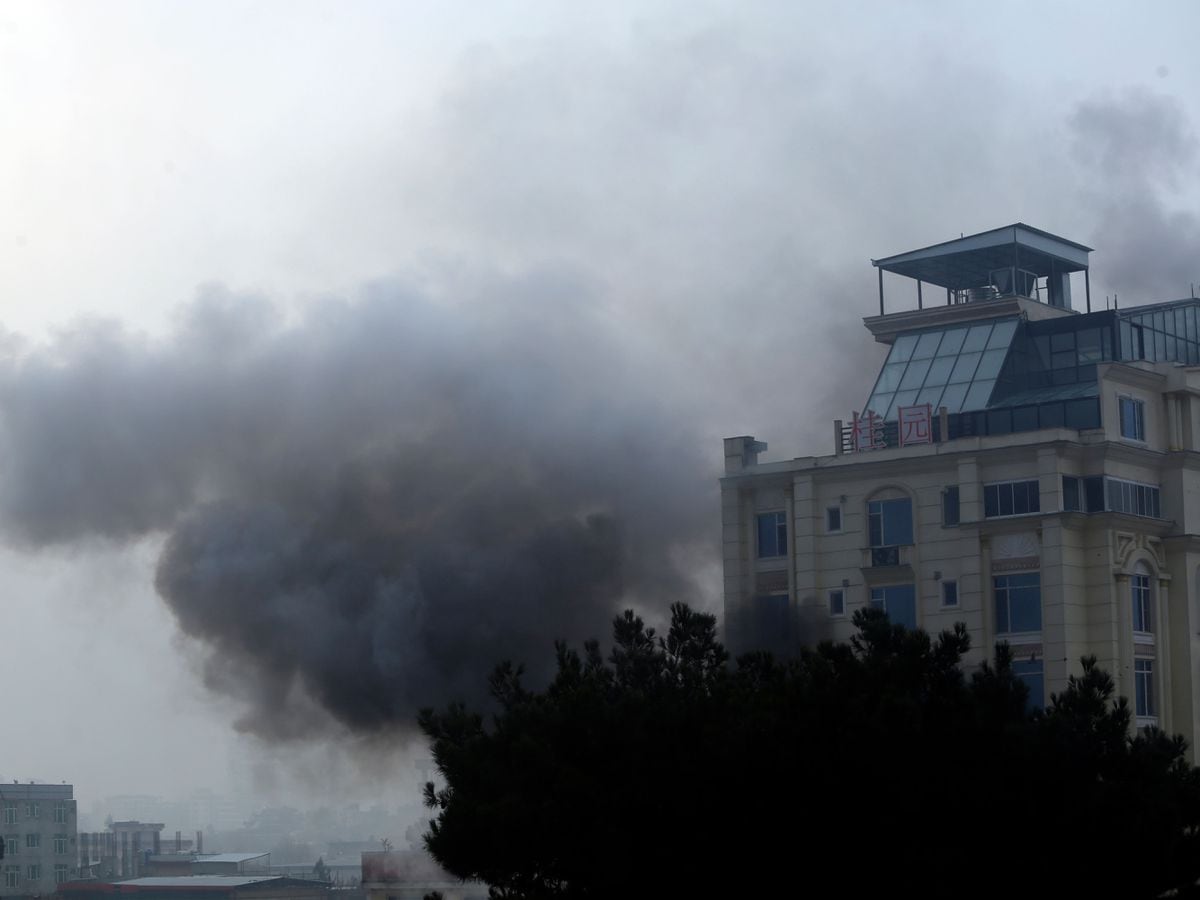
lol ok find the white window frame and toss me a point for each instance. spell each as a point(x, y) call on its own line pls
point(10, 814)
point(33, 840)
point(1148, 715)
point(840, 593)
point(60, 844)
point(60, 812)
point(781, 524)
point(1141, 598)
point(12, 876)
point(947, 584)
point(1138, 408)
point(1000, 487)
point(34, 871)
point(62, 873)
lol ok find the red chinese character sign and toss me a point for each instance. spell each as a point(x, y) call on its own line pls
point(867, 431)
point(916, 424)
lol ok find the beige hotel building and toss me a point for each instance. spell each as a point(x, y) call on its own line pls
point(1021, 466)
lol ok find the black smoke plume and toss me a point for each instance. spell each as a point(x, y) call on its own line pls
point(366, 503)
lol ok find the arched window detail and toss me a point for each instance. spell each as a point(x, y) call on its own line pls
point(1142, 597)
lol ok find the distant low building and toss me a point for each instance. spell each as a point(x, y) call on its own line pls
point(410, 875)
point(37, 822)
point(199, 887)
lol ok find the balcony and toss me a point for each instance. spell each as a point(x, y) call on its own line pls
point(886, 565)
point(885, 556)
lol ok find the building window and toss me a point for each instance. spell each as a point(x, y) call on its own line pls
point(833, 519)
point(889, 522)
point(33, 840)
point(1143, 619)
point(33, 810)
point(949, 593)
point(899, 601)
point(60, 873)
point(60, 843)
point(772, 534)
point(12, 876)
point(837, 603)
point(12, 844)
point(1143, 684)
point(950, 505)
point(1031, 672)
point(1133, 498)
point(60, 813)
point(1018, 603)
point(1133, 418)
point(10, 814)
point(33, 872)
point(1011, 498)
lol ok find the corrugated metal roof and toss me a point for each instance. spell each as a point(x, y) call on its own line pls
point(229, 857)
point(178, 881)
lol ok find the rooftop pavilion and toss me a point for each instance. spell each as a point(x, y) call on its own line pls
point(1016, 261)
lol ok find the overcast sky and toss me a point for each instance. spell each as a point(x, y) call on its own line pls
point(645, 226)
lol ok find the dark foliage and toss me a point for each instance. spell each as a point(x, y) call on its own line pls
point(874, 768)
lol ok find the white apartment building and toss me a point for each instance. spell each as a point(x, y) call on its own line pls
point(1029, 470)
point(37, 822)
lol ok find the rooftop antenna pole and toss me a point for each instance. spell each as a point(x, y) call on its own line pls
point(1087, 287)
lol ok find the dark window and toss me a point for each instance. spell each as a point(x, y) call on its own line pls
point(899, 601)
point(1093, 493)
point(1071, 498)
point(949, 593)
point(1010, 498)
point(772, 534)
point(1142, 618)
point(950, 505)
point(1133, 418)
point(833, 518)
point(1133, 498)
point(889, 522)
point(1030, 672)
point(1018, 603)
point(837, 603)
point(1143, 681)
point(1083, 413)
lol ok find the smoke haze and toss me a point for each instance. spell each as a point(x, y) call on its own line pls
point(602, 242)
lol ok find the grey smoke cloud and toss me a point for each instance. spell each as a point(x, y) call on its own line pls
point(1140, 151)
point(372, 501)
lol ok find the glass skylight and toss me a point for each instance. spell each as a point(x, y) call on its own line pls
point(951, 367)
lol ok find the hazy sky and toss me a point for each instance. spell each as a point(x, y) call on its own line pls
point(621, 230)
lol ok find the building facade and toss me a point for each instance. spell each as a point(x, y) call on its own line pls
point(38, 824)
point(1021, 467)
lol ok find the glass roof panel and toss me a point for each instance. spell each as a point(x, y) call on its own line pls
point(952, 341)
point(889, 378)
point(977, 337)
point(1002, 334)
point(902, 348)
point(989, 366)
point(930, 395)
point(927, 345)
point(915, 375)
point(920, 365)
point(977, 396)
point(954, 396)
point(964, 369)
point(904, 398)
point(939, 372)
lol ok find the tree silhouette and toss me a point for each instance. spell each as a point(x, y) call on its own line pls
point(874, 766)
